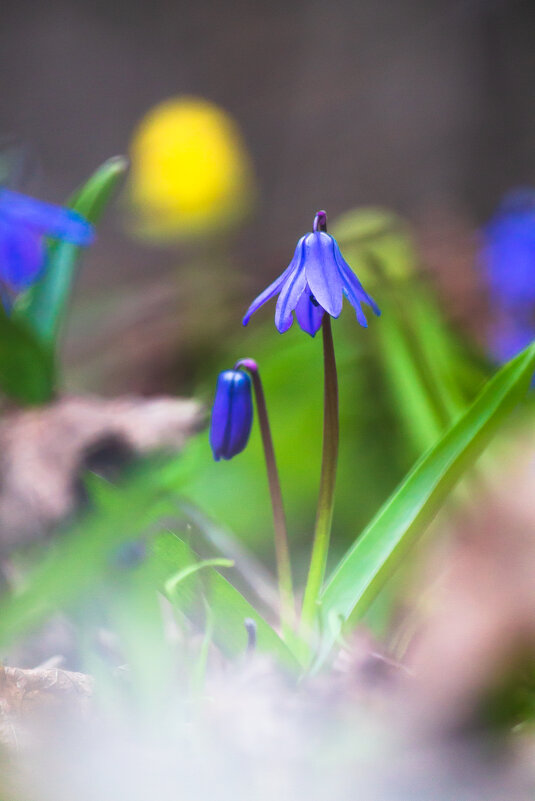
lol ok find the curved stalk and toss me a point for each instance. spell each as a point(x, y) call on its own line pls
point(282, 550)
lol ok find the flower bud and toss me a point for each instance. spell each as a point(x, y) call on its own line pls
point(232, 414)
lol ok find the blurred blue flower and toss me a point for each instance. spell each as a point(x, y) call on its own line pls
point(129, 554)
point(506, 339)
point(232, 414)
point(507, 258)
point(24, 222)
point(314, 282)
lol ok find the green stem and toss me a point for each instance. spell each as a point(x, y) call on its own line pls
point(282, 550)
point(324, 512)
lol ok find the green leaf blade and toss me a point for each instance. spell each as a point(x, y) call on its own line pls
point(378, 551)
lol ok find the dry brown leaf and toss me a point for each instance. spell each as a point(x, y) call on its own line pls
point(44, 451)
point(29, 695)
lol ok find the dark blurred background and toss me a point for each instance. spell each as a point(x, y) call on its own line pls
point(426, 108)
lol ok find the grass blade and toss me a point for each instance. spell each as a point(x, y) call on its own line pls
point(229, 609)
point(378, 551)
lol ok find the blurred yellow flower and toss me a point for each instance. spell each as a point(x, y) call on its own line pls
point(191, 172)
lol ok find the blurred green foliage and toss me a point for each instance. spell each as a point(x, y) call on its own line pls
point(83, 562)
point(407, 389)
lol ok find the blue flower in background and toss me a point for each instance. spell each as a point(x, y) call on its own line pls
point(314, 282)
point(508, 261)
point(24, 223)
point(232, 414)
point(506, 339)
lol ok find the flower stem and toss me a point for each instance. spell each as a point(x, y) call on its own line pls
point(282, 550)
point(324, 512)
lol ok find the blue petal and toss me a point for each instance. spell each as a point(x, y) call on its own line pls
point(266, 295)
point(355, 302)
point(322, 274)
point(232, 414)
point(293, 288)
point(353, 289)
point(45, 218)
point(308, 314)
point(22, 256)
point(275, 287)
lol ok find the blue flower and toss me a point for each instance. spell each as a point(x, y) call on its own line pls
point(314, 282)
point(232, 414)
point(507, 257)
point(24, 222)
point(507, 338)
point(509, 250)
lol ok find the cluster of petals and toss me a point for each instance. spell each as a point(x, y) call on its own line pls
point(24, 223)
point(314, 283)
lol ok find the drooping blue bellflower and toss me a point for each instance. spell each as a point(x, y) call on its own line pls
point(24, 223)
point(507, 258)
point(314, 283)
point(232, 414)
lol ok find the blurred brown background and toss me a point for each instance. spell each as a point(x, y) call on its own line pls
point(420, 106)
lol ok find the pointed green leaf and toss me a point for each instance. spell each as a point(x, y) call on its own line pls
point(379, 550)
point(43, 306)
point(229, 609)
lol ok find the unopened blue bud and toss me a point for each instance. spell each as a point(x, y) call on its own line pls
point(232, 414)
